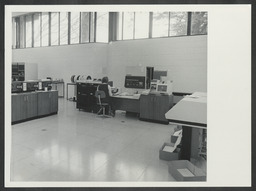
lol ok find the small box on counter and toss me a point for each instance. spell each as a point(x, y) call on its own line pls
point(169, 153)
point(183, 170)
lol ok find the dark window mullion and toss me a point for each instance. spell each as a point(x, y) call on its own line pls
point(95, 25)
point(169, 23)
point(50, 20)
point(89, 27)
point(17, 20)
point(189, 23)
point(69, 25)
point(150, 25)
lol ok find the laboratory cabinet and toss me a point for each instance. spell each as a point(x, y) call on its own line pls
point(33, 104)
point(47, 102)
point(154, 106)
point(24, 106)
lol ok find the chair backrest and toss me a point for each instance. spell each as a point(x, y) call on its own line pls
point(99, 94)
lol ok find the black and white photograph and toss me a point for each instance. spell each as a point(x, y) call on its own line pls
point(113, 95)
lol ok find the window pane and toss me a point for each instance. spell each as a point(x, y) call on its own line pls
point(119, 26)
point(128, 25)
point(13, 33)
point(102, 27)
point(141, 25)
point(22, 32)
point(199, 23)
point(28, 31)
point(85, 27)
point(63, 28)
point(74, 27)
point(160, 24)
point(92, 27)
point(178, 23)
point(45, 29)
point(54, 28)
point(37, 24)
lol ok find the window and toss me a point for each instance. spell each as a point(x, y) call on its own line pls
point(199, 23)
point(22, 32)
point(128, 25)
point(63, 28)
point(92, 27)
point(37, 29)
point(141, 25)
point(45, 29)
point(160, 24)
point(102, 27)
point(85, 27)
point(54, 28)
point(178, 23)
point(28, 31)
point(74, 27)
point(119, 26)
point(14, 27)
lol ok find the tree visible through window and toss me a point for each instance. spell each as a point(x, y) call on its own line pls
point(160, 24)
point(199, 23)
point(54, 28)
point(178, 23)
point(63, 28)
point(102, 27)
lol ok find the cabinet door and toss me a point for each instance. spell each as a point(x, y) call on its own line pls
point(54, 101)
point(16, 107)
point(161, 106)
point(147, 106)
point(31, 105)
point(43, 103)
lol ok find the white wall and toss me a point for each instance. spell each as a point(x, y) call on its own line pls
point(65, 61)
point(185, 58)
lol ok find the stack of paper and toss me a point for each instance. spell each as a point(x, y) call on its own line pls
point(185, 172)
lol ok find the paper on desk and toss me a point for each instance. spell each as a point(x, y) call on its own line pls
point(168, 148)
point(177, 133)
point(185, 172)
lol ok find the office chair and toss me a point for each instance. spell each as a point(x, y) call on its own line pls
point(99, 94)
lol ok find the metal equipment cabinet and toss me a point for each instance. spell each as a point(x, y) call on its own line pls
point(154, 106)
point(86, 96)
point(24, 106)
point(47, 102)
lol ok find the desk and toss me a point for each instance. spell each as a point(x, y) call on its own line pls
point(70, 84)
point(63, 87)
point(191, 113)
point(126, 103)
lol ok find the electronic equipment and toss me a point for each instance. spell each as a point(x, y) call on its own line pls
point(17, 87)
point(135, 82)
point(164, 88)
point(32, 86)
point(47, 85)
point(153, 84)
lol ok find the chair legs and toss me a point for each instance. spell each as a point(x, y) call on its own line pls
point(103, 113)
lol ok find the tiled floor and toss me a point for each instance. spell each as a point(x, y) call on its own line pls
point(80, 146)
